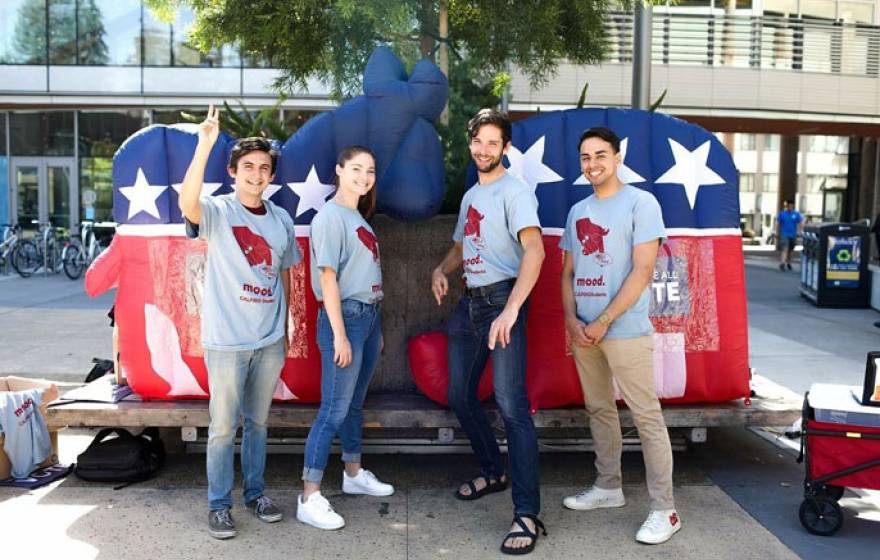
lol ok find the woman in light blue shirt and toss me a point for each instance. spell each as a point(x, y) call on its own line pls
point(347, 282)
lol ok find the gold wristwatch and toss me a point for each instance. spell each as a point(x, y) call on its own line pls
point(604, 319)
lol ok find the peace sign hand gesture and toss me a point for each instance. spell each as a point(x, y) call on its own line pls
point(209, 129)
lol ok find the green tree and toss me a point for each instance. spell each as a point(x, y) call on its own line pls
point(333, 39)
point(29, 38)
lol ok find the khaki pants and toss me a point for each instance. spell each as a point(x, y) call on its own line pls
point(630, 362)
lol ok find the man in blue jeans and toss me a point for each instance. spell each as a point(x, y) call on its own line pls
point(788, 224)
point(251, 247)
point(498, 240)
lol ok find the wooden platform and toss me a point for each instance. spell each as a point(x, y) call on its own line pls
point(773, 405)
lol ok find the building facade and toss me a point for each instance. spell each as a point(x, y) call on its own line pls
point(792, 86)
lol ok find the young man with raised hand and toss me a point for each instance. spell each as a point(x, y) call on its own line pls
point(251, 247)
point(610, 244)
point(498, 240)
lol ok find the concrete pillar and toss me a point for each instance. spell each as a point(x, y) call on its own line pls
point(867, 176)
point(641, 78)
point(853, 170)
point(788, 171)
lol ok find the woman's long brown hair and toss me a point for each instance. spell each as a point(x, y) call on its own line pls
point(366, 203)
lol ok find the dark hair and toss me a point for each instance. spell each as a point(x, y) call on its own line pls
point(252, 144)
point(367, 202)
point(493, 117)
point(602, 133)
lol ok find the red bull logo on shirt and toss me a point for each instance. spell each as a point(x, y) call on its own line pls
point(472, 221)
point(592, 238)
point(253, 246)
point(369, 240)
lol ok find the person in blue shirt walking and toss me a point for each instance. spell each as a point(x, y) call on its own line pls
point(788, 225)
point(347, 282)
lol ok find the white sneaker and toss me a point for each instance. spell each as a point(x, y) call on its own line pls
point(595, 498)
point(318, 512)
point(659, 527)
point(365, 482)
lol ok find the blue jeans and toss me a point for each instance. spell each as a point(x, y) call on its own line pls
point(468, 352)
point(343, 389)
point(241, 383)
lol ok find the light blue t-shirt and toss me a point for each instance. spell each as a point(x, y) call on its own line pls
point(489, 222)
point(243, 307)
point(600, 234)
point(342, 239)
point(27, 441)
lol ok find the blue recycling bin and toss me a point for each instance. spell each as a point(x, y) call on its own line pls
point(834, 265)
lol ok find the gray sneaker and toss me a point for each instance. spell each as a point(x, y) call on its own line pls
point(220, 524)
point(265, 509)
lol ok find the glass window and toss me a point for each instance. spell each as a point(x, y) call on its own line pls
point(187, 55)
point(824, 9)
point(47, 133)
point(23, 32)
point(856, 12)
point(815, 183)
point(745, 142)
point(101, 133)
point(62, 31)
point(157, 41)
point(4, 173)
point(771, 142)
point(173, 116)
point(771, 182)
point(110, 32)
point(96, 176)
point(747, 182)
point(782, 7)
point(2, 137)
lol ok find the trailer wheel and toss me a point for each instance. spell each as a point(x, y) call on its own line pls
point(821, 516)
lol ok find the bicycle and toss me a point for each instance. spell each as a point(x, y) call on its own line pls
point(10, 240)
point(37, 253)
point(76, 257)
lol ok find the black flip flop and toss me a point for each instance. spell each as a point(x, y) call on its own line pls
point(490, 488)
point(524, 533)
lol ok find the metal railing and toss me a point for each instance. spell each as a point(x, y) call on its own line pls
point(737, 41)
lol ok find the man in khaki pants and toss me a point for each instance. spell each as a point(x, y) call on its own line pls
point(610, 242)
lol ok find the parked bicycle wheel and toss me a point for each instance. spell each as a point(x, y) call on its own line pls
point(73, 261)
point(25, 258)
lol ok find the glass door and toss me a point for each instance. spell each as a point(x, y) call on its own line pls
point(44, 190)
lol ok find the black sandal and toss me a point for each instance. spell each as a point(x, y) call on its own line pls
point(518, 519)
point(491, 487)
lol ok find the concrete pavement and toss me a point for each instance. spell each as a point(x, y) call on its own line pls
point(738, 494)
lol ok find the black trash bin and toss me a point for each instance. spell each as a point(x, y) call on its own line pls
point(834, 265)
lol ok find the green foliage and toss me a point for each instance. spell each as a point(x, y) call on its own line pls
point(244, 123)
point(29, 37)
point(332, 40)
point(583, 98)
point(656, 105)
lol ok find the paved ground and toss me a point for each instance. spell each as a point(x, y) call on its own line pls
point(738, 494)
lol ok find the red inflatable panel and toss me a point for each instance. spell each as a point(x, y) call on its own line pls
point(699, 313)
point(160, 281)
point(430, 364)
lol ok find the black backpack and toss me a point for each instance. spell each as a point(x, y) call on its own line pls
point(126, 458)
